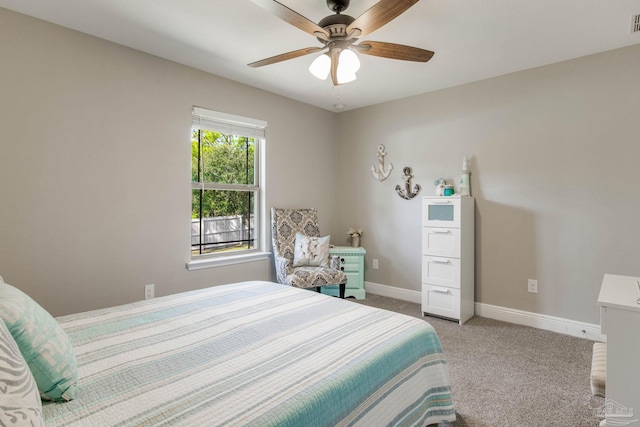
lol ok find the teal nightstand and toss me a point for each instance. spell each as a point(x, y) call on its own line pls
point(352, 263)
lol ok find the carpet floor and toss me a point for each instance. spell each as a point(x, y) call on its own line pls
point(503, 374)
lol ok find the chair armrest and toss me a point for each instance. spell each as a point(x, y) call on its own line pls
point(334, 261)
point(283, 267)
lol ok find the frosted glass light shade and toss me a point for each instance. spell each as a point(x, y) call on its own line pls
point(349, 60)
point(321, 66)
point(346, 77)
point(348, 64)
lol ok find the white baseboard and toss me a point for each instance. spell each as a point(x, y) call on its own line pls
point(393, 292)
point(561, 325)
point(535, 320)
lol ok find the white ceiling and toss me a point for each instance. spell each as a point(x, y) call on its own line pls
point(472, 39)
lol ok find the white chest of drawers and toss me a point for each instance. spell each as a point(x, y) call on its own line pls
point(620, 321)
point(448, 257)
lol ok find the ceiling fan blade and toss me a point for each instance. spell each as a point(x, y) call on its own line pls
point(293, 18)
point(285, 56)
point(393, 51)
point(379, 14)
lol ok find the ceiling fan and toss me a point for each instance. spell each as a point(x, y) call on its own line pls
point(338, 34)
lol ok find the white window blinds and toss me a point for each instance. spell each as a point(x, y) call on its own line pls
point(228, 123)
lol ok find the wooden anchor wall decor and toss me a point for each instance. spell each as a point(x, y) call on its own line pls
point(406, 193)
point(380, 174)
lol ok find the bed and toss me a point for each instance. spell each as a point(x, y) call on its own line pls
point(253, 353)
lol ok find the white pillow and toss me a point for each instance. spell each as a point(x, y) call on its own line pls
point(20, 403)
point(311, 251)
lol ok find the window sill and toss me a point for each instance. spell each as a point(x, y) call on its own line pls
point(226, 260)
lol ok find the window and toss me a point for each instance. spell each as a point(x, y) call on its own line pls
point(225, 187)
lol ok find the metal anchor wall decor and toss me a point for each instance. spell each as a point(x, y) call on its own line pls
point(380, 174)
point(407, 193)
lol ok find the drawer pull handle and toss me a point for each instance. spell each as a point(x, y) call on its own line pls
point(439, 231)
point(341, 259)
point(440, 290)
point(342, 268)
point(439, 260)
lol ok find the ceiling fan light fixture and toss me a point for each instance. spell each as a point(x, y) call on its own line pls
point(348, 65)
point(321, 66)
point(346, 78)
point(348, 61)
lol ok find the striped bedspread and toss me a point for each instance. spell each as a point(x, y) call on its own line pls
point(253, 353)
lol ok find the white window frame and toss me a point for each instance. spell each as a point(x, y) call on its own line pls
point(236, 125)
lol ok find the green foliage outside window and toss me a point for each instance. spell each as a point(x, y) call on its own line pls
point(222, 159)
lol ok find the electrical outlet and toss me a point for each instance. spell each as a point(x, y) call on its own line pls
point(149, 291)
point(375, 264)
point(532, 286)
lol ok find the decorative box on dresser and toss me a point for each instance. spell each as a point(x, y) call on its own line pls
point(448, 257)
point(620, 322)
point(352, 263)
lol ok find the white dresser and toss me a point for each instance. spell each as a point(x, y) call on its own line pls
point(448, 257)
point(620, 322)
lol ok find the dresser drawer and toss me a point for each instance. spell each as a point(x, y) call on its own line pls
point(441, 301)
point(441, 271)
point(350, 262)
point(443, 242)
point(441, 212)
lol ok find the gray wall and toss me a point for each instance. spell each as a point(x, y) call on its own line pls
point(95, 133)
point(555, 153)
point(92, 132)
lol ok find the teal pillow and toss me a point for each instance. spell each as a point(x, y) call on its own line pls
point(43, 343)
point(20, 403)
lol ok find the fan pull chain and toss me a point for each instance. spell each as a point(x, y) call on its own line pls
point(338, 105)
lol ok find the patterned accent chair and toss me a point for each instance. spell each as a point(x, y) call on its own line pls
point(285, 223)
